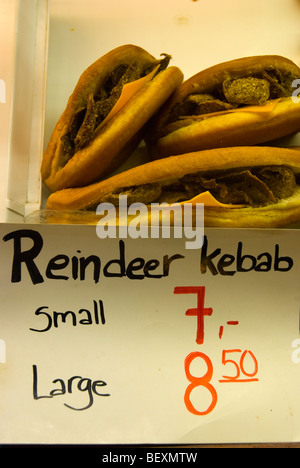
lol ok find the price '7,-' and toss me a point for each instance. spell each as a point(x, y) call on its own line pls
point(237, 368)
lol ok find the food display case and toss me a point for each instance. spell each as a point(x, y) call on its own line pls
point(185, 337)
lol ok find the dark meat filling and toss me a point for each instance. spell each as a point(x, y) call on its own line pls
point(247, 91)
point(100, 103)
point(233, 93)
point(258, 186)
point(146, 194)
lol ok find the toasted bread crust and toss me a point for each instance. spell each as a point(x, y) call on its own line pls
point(279, 214)
point(226, 129)
point(232, 129)
point(106, 149)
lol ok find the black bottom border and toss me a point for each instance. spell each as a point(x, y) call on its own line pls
point(129, 455)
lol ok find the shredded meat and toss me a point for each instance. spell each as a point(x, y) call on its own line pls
point(258, 186)
point(281, 84)
point(100, 103)
point(247, 90)
point(235, 187)
point(138, 194)
point(280, 180)
point(199, 104)
point(250, 90)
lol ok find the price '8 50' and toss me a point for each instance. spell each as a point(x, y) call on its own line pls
point(240, 375)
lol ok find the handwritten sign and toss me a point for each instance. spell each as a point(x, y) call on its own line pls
point(145, 341)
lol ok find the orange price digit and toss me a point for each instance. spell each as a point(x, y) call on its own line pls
point(203, 381)
point(239, 367)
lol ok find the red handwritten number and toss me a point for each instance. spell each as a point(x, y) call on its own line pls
point(235, 364)
point(239, 366)
point(255, 363)
point(203, 381)
point(239, 374)
point(200, 311)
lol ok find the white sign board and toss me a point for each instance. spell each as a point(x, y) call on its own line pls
point(134, 341)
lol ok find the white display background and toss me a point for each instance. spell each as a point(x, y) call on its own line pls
point(197, 34)
point(141, 349)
